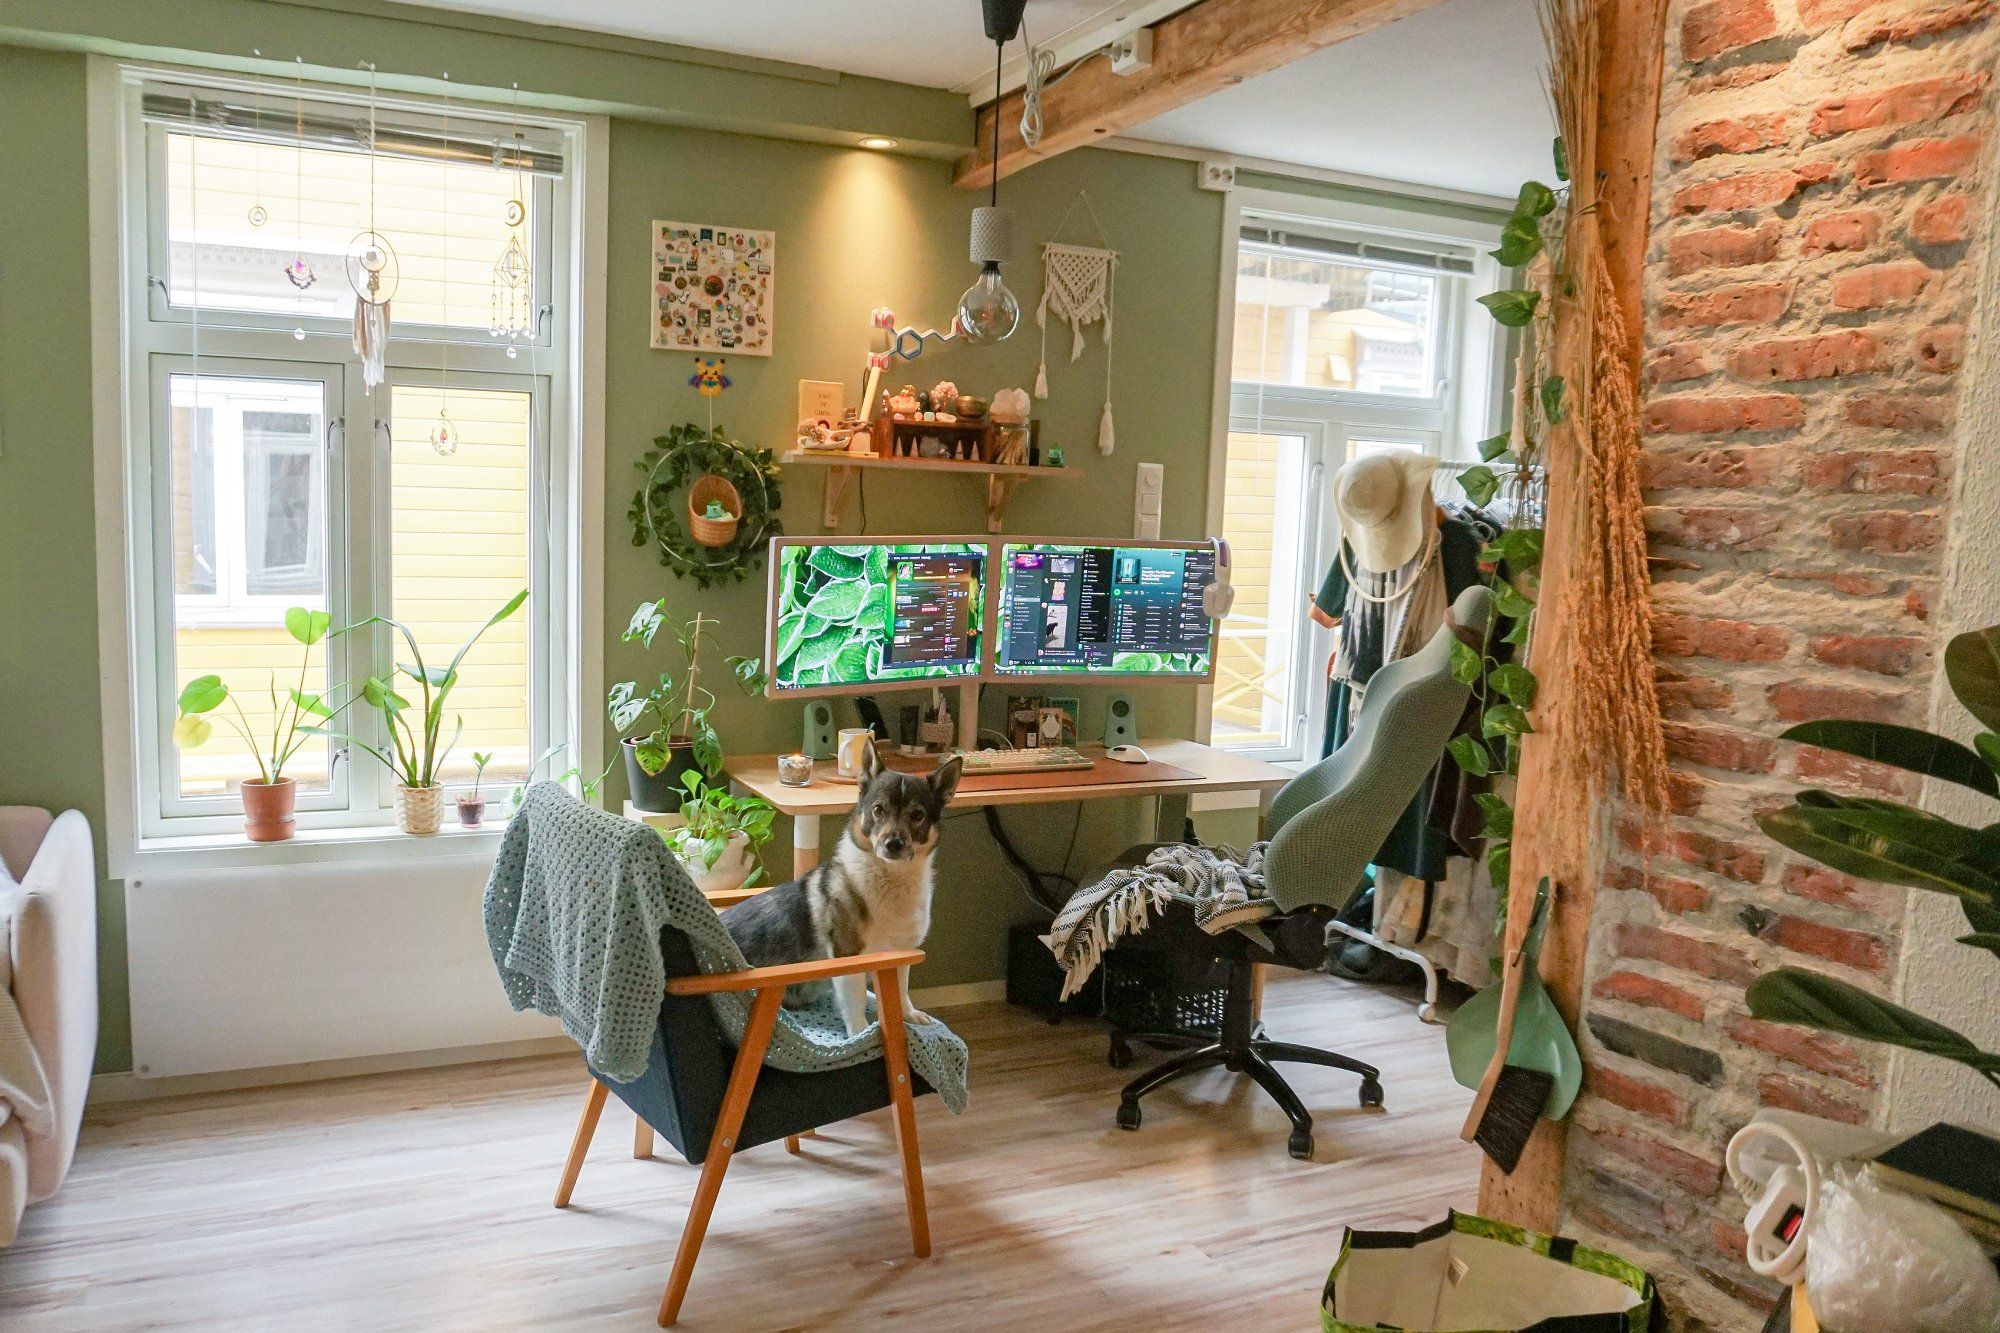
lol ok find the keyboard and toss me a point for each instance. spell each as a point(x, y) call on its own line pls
point(1041, 759)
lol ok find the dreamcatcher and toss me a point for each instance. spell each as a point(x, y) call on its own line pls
point(513, 286)
point(373, 273)
point(1077, 284)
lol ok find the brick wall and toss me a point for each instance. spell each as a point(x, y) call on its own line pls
point(1816, 194)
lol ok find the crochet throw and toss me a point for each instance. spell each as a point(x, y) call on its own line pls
point(1224, 890)
point(574, 911)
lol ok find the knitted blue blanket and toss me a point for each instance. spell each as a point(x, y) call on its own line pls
point(574, 910)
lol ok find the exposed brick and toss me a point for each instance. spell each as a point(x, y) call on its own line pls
point(1815, 356)
point(1837, 944)
point(1756, 189)
point(1903, 104)
point(1854, 585)
point(1634, 1202)
point(1916, 604)
point(1712, 415)
point(1680, 692)
point(1879, 285)
point(1685, 791)
point(1657, 1049)
point(1873, 471)
point(1834, 769)
point(1824, 885)
point(1650, 992)
point(1724, 25)
point(1899, 411)
point(1704, 958)
point(1801, 701)
point(1885, 654)
point(1696, 1175)
point(1735, 134)
point(1941, 348)
point(1731, 528)
point(1739, 303)
point(1907, 22)
point(1793, 1094)
point(1853, 229)
point(1916, 160)
point(1722, 247)
point(1818, 15)
point(1942, 221)
point(1674, 894)
point(1729, 640)
point(1678, 362)
point(1890, 531)
point(1721, 747)
point(1805, 1048)
point(1736, 76)
point(1636, 1094)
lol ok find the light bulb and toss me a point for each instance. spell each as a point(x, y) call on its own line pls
point(988, 312)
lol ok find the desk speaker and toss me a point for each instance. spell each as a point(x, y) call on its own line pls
point(1121, 721)
point(820, 729)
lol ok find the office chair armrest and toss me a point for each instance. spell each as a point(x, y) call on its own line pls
point(787, 974)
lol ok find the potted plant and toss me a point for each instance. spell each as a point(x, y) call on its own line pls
point(718, 843)
point(1900, 844)
point(413, 752)
point(471, 805)
point(269, 798)
point(683, 740)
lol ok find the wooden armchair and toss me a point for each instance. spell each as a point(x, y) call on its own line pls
point(685, 1095)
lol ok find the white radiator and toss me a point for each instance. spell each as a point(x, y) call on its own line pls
point(243, 969)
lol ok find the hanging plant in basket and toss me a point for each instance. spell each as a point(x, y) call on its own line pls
point(708, 503)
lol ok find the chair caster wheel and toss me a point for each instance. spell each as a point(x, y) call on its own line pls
point(1120, 1054)
point(1128, 1115)
point(1300, 1144)
point(1371, 1093)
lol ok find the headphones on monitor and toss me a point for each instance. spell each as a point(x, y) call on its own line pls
point(1219, 596)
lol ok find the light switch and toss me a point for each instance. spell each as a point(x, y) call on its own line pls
point(1150, 488)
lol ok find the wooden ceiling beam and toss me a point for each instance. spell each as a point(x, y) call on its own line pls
point(1209, 46)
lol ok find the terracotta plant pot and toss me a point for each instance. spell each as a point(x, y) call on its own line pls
point(267, 809)
point(418, 809)
point(471, 810)
point(659, 793)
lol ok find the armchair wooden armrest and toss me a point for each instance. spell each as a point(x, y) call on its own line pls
point(787, 974)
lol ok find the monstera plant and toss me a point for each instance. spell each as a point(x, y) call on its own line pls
point(1900, 844)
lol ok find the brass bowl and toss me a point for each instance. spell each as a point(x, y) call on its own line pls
point(970, 406)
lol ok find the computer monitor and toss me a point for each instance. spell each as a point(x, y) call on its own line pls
point(851, 614)
point(1131, 610)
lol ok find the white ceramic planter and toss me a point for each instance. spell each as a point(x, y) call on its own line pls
point(730, 869)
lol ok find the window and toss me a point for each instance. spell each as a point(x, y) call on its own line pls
point(1346, 341)
point(267, 473)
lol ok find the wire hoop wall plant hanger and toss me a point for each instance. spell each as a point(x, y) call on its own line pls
point(685, 455)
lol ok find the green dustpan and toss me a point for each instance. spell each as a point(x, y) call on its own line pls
point(1542, 1040)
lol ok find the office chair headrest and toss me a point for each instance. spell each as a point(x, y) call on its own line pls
point(1472, 611)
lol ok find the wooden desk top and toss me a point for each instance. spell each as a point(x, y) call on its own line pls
point(1208, 769)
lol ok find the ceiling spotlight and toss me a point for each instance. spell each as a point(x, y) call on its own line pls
point(877, 141)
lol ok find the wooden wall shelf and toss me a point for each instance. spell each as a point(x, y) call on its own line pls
point(1001, 478)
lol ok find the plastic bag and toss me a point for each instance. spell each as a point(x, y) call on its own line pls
point(1878, 1259)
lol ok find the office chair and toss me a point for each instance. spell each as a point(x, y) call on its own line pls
point(1325, 827)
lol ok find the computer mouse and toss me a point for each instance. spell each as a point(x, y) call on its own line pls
point(1128, 754)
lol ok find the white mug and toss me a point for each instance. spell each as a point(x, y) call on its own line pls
point(848, 751)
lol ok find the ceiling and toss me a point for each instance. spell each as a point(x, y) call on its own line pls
point(1449, 98)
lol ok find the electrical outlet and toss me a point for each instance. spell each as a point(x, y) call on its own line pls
point(1132, 52)
point(1217, 176)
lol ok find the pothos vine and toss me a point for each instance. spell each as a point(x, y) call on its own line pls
point(1531, 239)
point(684, 453)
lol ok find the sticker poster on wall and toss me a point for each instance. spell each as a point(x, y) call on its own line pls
point(712, 288)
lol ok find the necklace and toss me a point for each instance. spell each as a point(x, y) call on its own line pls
point(1383, 599)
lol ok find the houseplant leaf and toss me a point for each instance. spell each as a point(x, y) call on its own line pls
point(1504, 720)
point(1552, 399)
point(203, 694)
point(1855, 852)
point(1520, 241)
point(1494, 446)
point(1466, 662)
point(1534, 200)
point(1901, 747)
point(1512, 306)
point(1809, 999)
point(1471, 755)
point(191, 731)
point(306, 626)
point(1480, 484)
point(1516, 682)
point(1972, 665)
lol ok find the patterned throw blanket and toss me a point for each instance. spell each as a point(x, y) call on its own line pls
point(574, 910)
point(1226, 891)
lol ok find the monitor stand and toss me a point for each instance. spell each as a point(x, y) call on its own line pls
point(968, 715)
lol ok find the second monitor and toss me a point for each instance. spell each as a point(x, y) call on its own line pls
point(1073, 609)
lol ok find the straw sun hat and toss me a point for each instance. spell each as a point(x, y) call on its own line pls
point(1385, 507)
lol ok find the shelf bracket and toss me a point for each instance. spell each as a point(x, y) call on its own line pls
point(836, 491)
point(997, 491)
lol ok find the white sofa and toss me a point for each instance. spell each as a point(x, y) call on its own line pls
point(48, 1000)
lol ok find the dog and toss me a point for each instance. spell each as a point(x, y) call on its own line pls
point(875, 893)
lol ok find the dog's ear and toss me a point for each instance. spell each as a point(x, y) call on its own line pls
point(945, 780)
point(871, 762)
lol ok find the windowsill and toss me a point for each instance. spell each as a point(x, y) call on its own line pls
point(179, 853)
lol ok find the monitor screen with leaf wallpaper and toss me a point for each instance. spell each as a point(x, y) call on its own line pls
point(851, 614)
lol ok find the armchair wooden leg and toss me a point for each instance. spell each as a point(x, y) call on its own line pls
point(586, 1127)
point(642, 1139)
point(792, 1144)
point(721, 1144)
point(896, 1056)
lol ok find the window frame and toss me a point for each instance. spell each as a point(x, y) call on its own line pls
point(1467, 406)
point(137, 344)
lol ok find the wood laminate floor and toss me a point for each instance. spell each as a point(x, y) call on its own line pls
point(421, 1200)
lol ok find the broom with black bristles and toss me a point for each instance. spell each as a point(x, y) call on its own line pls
point(1510, 1097)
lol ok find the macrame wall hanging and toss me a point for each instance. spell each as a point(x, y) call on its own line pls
point(1077, 285)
